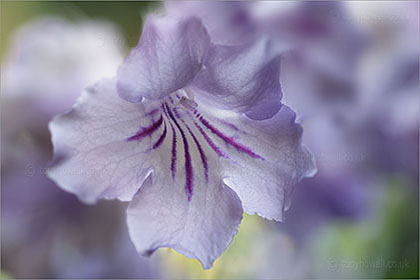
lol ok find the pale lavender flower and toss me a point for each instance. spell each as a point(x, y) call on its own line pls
point(191, 132)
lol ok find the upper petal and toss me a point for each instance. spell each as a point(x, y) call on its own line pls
point(167, 58)
point(240, 78)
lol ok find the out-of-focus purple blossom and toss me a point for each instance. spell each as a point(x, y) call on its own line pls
point(389, 90)
point(228, 23)
point(324, 199)
point(51, 60)
point(317, 32)
point(371, 133)
point(191, 131)
point(319, 72)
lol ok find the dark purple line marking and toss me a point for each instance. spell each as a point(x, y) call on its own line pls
point(202, 154)
point(174, 142)
point(188, 166)
point(200, 149)
point(229, 140)
point(154, 111)
point(147, 130)
point(161, 138)
point(210, 142)
point(173, 159)
point(176, 113)
point(230, 125)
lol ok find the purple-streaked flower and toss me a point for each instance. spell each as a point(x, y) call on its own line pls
point(191, 132)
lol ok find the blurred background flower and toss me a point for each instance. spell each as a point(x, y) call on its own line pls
point(349, 69)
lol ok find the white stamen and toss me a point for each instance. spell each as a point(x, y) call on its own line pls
point(188, 103)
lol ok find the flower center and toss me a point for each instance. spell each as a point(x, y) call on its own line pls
point(184, 99)
point(188, 103)
point(183, 124)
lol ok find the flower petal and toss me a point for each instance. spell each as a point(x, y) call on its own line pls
point(240, 77)
point(265, 158)
point(161, 216)
point(92, 158)
point(266, 107)
point(167, 58)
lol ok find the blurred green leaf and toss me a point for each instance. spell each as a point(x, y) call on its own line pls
point(384, 245)
point(4, 276)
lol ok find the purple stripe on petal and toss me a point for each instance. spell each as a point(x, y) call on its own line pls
point(154, 111)
point(188, 165)
point(230, 125)
point(210, 142)
point(188, 170)
point(173, 158)
point(147, 130)
point(229, 140)
point(161, 138)
point(202, 154)
point(197, 143)
point(174, 142)
point(176, 113)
